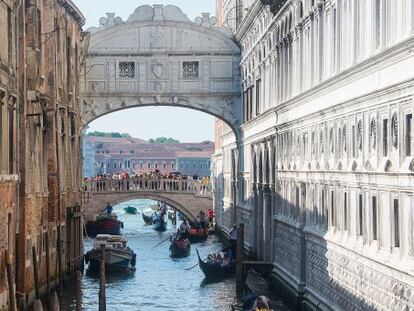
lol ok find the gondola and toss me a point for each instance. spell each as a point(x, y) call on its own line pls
point(104, 224)
point(131, 210)
point(160, 224)
point(147, 219)
point(180, 248)
point(197, 235)
point(215, 271)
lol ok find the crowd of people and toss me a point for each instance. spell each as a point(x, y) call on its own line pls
point(157, 174)
point(148, 181)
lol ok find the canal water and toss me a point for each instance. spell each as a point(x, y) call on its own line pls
point(159, 282)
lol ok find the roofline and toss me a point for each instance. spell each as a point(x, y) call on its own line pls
point(73, 11)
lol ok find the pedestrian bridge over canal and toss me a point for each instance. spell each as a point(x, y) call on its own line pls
point(187, 196)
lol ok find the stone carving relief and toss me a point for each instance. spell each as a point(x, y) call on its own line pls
point(346, 282)
point(157, 86)
point(157, 69)
point(157, 37)
point(287, 249)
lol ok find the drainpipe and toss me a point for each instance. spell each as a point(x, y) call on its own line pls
point(17, 150)
point(59, 224)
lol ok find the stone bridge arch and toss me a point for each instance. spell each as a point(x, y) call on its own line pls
point(187, 204)
point(187, 196)
point(158, 57)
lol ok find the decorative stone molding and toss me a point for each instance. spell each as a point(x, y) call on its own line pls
point(73, 11)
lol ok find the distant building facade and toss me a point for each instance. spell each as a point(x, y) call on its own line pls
point(108, 155)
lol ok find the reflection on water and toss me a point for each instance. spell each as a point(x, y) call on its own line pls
point(159, 281)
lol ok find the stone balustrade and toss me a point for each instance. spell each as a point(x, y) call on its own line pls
point(135, 184)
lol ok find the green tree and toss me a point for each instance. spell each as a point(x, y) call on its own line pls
point(112, 134)
point(163, 140)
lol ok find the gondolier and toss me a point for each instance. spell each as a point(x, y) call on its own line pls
point(183, 229)
point(108, 209)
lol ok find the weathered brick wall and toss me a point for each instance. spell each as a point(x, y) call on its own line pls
point(7, 227)
point(8, 177)
point(50, 159)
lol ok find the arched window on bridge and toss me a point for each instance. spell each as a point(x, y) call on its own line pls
point(141, 164)
point(148, 165)
point(156, 165)
point(163, 165)
point(172, 165)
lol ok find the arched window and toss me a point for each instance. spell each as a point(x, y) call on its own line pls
point(359, 135)
point(344, 138)
point(394, 130)
point(321, 141)
point(331, 140)
point(300, 9)
point(373, 133)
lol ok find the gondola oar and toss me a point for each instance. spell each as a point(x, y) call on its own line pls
point(225, 247)
point(162, 242)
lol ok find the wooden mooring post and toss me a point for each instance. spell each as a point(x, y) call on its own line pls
point(102, 298)
point(36, 272)
point(78, 290)
point(239, 259)
point(10, 281)
point(47, 266)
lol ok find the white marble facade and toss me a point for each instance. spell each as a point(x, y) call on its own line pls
point(160, 57)
point(327, 156)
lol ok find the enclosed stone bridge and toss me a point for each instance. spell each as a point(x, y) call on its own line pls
point(187, 196)
point(159, 57)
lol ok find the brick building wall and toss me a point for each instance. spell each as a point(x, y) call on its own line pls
point(51, 49)
point(8, 164)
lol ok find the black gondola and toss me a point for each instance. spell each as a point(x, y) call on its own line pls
point(147, 219)
point(216, 271)
point(160, 224)
point(197, 236)
point(180, 248)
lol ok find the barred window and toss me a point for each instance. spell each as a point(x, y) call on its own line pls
point(127, 70)
point(190, 70)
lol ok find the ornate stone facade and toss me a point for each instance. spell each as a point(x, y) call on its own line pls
point(159, 57)
point(328, 148)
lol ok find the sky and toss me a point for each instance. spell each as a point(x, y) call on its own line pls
point(150, 122)
point(186, 125)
